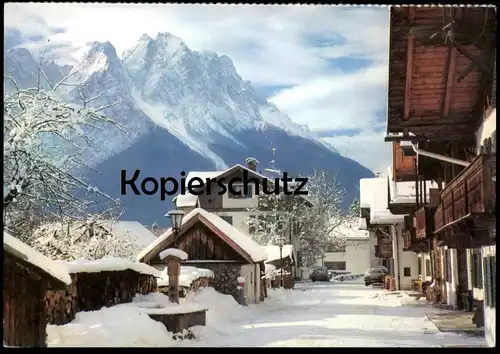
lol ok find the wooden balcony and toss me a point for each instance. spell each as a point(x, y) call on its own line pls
point(424, 219)
point(467, 203)
point(412, 243)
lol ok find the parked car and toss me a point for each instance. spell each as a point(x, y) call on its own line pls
point(374, 275)
point(320, 273)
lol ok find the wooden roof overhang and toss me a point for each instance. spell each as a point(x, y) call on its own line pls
point(440, 71)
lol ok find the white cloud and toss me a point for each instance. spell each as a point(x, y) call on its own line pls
point(269, 45)
point(369, 149)
point(347, 101)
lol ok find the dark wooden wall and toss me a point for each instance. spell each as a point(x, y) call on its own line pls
point(200, 243)
point(23, 304)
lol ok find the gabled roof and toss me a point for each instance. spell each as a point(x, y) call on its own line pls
point(190, 200)
point(131, 230)
point(27, 254)
point(239, 241)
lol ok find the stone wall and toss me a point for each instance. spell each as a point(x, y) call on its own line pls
point(92, 291)
point(225, 278)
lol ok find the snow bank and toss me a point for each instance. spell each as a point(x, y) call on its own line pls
point(187, 277)
point(174, 252)
point(158, 303)
point(19, 249)
point(221, 308)
point(117, 326)
point(108, 264)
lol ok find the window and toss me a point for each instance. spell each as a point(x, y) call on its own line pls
point(477, 272)
point(489, 264)
point(331, 247)
point(407, 271)
point(335, 265)
point(428, 271)
point(238, 188)
point(419, 264)
point(228, 219)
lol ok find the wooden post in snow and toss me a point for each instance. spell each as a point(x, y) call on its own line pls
point(174, 271)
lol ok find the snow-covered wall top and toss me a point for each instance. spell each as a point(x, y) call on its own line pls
point(109, 264)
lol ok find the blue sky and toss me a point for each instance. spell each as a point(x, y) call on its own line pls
point(325, 66)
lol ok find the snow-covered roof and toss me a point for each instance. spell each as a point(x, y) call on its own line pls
point(351, 231)
point(251, 250)
point(273, 252)
point(108, 264)
point(366, 189)
point(405, 192)
point(19, 249)
point(190, 200)
point(131, 230)
point(375, 195)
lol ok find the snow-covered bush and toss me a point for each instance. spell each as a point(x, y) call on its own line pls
point(74, 241)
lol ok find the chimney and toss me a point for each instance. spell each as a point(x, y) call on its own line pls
point(252, 163)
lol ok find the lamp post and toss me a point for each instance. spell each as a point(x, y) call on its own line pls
point(176, 222)
point(280, 244)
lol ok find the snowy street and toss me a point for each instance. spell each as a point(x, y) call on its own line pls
point(329, 315)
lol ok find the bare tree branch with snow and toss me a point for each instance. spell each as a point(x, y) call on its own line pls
point(44, 138)
point(314, 220)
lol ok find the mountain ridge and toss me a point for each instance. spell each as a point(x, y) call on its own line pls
point(173, 97)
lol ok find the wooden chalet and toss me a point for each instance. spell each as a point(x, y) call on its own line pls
point(442, 88)
point(212, 243)
point(27, 275)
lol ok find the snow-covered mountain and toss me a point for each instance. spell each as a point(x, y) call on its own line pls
point(183, 110)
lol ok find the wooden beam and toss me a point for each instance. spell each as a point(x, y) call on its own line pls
point(452, 69)
point(409, 65)
point(450, 80)
point(419, 122)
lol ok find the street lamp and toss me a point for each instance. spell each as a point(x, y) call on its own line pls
point(176, 222)
point(280, 244)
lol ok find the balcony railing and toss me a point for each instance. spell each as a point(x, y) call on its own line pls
point(424, 219)
point(471, 191)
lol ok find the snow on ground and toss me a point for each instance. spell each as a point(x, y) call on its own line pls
point(344, 314)
point(328, 315)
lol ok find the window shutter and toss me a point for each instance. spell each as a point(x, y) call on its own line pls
point(479, 270)
point(493, 281)
point(486, 267)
